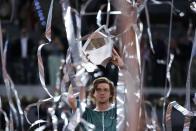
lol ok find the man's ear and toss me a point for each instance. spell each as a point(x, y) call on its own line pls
point(94, 94)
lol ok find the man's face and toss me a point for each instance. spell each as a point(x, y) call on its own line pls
point(102, 93)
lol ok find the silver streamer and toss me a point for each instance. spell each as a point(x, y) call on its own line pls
point(148, 28)
point(194, 99)
point(175, 10)
point(51, 111)
point(151, 121)
point(58, 79)
point(148, 18)
point(74, 45)
point(168, 66)
point(130, 99)
point(10, 87)
point(168, 75)
point(5, 117)
point(138, 48)
point(193, 6)
point(40, 62)
point(41, 69)
point(41, 128)
point(188, 75)
point(185, 112)
point(108, 14)
point(37, 122)
point(187, 104)
point(49, 20)
point(83, 8)
point(120, 100)
point(55, 99)
point(98, 18)
point(64, 117)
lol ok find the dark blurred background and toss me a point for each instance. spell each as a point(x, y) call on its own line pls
point(27, 25)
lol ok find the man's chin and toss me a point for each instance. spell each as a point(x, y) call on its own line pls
point(102, 102)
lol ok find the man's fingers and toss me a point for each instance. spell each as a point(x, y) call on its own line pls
point(114, 52)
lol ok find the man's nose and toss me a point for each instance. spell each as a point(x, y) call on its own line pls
point(102, 91)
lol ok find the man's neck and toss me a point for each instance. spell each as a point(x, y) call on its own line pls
point(102, 106)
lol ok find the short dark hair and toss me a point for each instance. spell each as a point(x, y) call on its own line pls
point(98, 81)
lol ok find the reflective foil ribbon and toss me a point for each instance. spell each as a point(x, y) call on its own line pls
point(64, 117)
point(108, 14)
point(49, 20)
point(130, 99)
point(79, 77)
point(151, 121)
point(59, 81)
point(51, 111)
point(148, 28)
point(194, 99)
point(175, 10)
point(54, 100)
point(193, 6)
point(137, 41)
point(36, 123)
point(40, 62)
point(168, 75)
point(41, 69)
point(148, 18)
point(168, 66)
point(188, 74)
point(187, 113)
point(74, 45)
point(98, 18)
point(10, 87)
point(76, 119)
point(83, 8)
point(120, 102)
point(5, 117)
point(187, 102)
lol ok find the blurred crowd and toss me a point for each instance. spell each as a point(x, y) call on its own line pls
point(23, 34)
point(155, 63)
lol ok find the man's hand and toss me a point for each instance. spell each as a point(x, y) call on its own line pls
point(117, 59)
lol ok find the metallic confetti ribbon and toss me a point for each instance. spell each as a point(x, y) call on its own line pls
point(74, 45)
point(130, 99)
point(148, 26)
point(148, 18)
point(120, 102)
point(168, 64)
point(187, 104)
point(83, 8)
point(10, 87)
point(108, 13)
point(194, 99)
point(51, 111)
point(98, 18)
point(193, 6)
point(60, 84)
point(40, 62)
point(151, 121)
point(5, 117)
point(54, 99)
point(185, 112)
